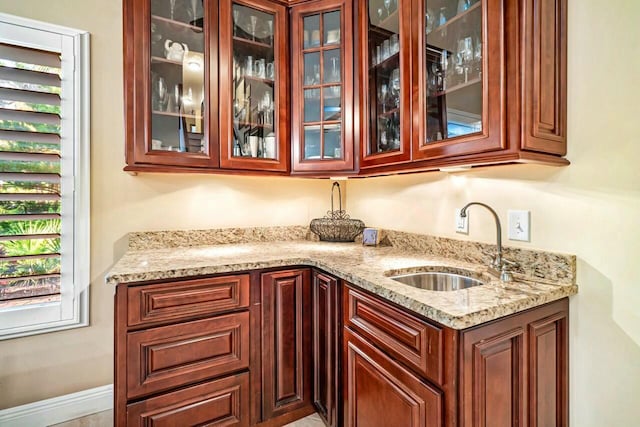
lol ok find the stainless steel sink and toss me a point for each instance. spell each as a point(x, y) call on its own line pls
point(437, 281)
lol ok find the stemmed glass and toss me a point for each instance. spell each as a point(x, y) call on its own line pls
point(194, 8)
point(236, 16)
point(172, 5)
point(254, 21)
point(394, 83)
point(270, 24)
point(387, 5)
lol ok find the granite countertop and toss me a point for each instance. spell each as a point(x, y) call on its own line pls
point(365, 267)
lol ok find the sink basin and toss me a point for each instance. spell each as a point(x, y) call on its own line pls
point(437, 281)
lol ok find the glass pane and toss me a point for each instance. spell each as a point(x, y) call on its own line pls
point(332, 142)
point(312, 142)
point(311, 68)
point(332, 67)
point(312, 105)
point(177, 76)
point(331, 24)
point(253, 84)
point(332, 103)
point(384, 75)
point(454, 53)
point(311, 31)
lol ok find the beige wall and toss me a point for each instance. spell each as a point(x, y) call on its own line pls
point(49, 365)
point(591, 208)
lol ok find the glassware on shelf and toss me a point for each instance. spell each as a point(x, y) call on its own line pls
point(463, 5)
point(430, 20)
point(236, 23)
point(394, 87)
point(387, 6)
point(253, 20)
point(172, 9)
point(442, 16)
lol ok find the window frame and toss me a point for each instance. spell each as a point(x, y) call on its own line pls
point(72, 311)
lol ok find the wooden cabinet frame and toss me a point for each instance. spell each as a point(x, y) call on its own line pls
point(348, 161)
point(281, 87)
point(137, 92)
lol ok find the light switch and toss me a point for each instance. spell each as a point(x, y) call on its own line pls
point(462, 224)
point(520, 225)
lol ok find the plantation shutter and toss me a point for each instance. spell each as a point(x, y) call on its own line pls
point(30, 175)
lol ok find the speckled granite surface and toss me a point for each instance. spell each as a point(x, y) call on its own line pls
point(365, 267)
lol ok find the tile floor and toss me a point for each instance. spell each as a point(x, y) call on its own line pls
point(105, 419)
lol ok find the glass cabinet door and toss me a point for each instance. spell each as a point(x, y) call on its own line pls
point(322, 87)
point(251, 95)
point(177, 81)
point(387, 75)
point(453, 63)
point(456, 114)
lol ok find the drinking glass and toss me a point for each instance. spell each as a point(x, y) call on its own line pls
point(172, 8)
point(253, 21)
point(463, 5)
point(236, 16)
point(387, 5)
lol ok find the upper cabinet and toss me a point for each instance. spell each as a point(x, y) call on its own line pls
point(323, 87)
point(385, 81)
point(253, 85)
point(461, 87)
point(347, 87)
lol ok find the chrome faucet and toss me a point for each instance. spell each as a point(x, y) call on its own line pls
point(501, 266)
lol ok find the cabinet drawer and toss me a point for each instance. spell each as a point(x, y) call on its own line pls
point(222, 402)
point(168, 302)
point(407, 338)
point(171, 356)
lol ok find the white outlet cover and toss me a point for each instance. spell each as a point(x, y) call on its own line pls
point(519, 225)
point(461, 224)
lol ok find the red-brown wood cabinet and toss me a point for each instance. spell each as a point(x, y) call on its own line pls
point(343, 87)
point(269, 347)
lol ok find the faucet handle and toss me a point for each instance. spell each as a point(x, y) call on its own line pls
point(506, 274)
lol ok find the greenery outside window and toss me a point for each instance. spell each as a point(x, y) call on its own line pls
point(44, 177)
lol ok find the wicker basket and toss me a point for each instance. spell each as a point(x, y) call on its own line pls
point(336, 226)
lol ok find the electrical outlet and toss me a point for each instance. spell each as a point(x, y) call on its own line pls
point(462, 224)
point(520, 226)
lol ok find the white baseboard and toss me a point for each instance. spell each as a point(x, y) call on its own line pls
point(59, 409)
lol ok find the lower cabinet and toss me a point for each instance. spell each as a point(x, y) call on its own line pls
point(379, 392)
point(514, 371)
point(269, 347)
point(286, 342)
point(326, 347)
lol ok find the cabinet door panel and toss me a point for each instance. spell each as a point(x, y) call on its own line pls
point(220, 403)
point(326, 346)
point(380, 393)
point(254, 101)
point(459, 75)
point(545, 76)
point(385, 81)
point(286, 345)
point(322, 81)
point(548, 361)
point(170, 82)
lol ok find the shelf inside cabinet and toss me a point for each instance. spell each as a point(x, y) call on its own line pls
point(389, 113)
point(446, 35)
point(177, 23)
point(388, 62)
point(172, 114)
point(159, 60)
point(255, 79)
point(253, 43)
point(458, 87)
point(253, 125)
point(388, 20)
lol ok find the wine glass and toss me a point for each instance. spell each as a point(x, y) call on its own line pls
point(254, 21)
point(384, 94)
point(172, 5)
point(335, 69)
point(387, 5)
point(236, 17)
point(270, 24)
point(194, 9)
point(394, 83)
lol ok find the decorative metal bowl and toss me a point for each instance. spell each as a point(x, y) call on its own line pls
point(336, 226)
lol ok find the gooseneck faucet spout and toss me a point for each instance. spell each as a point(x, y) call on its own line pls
point(498, 262)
